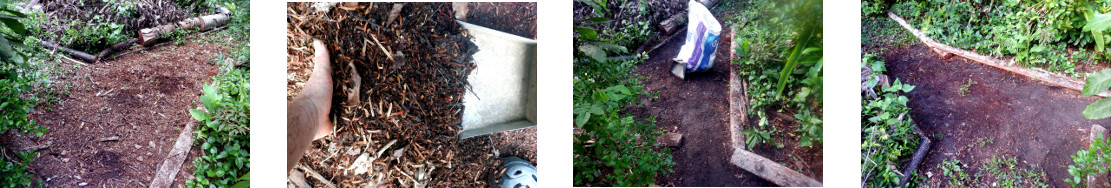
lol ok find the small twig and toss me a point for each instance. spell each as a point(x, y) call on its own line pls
point(38, 147)
point(388, 56)
point(317, 176)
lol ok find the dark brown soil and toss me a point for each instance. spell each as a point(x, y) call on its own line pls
point(142, 98)
point(1038, 124)
point(698, 108)
point(415, 101)
point(518, 18)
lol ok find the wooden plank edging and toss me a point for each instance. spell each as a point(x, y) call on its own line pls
point(1035, 73)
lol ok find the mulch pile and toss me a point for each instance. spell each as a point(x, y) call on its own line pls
point(506, 17)
point(401, 125)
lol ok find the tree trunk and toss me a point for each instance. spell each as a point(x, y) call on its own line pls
point(148, 35)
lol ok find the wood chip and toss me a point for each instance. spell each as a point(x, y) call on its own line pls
point(111, 138)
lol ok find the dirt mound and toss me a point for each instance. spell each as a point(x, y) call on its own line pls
point(413, 100)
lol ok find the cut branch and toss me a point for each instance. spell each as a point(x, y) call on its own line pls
point(1036, 73)
point(78, 54)
point(116, 48)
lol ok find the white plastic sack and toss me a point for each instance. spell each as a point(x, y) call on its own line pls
point(697, 54)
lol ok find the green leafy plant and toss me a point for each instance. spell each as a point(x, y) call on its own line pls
point(780, 50)
point(223, 132)
point(1097, 83)
point(17, 96)
point(965, 88)
point(888, 139)
point(1094, 160)
point(954, 170)
point(613, 148)
point(1037, 33)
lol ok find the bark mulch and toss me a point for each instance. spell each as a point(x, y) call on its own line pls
point(413, 101)
point(142, 99)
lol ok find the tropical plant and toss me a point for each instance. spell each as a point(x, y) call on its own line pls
point(774, 31)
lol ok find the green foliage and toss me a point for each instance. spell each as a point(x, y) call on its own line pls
point(95, 34)
point(223, 134)
point(1036, 33)
point(887, 135)
point(769, 32)
point(1091, 161)
point(614, 148)
point(16, 93)
point(954, 170)
point(1098, 83)
point(1007, 173)
point(965, 88)
point(870, 8)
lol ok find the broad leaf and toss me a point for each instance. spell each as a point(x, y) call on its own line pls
point(594, 52)
point(198, 114)
point(1098, 22)
point(587, 33)
point(1099, 109)
point(13, 23)
point(1097, 83)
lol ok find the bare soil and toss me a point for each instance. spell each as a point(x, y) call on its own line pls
point(140, 98)
point(1038, 124)
point(698, 108)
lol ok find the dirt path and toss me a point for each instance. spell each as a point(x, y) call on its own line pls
point(141, 98)
point(696, 107)
point(1039, 125)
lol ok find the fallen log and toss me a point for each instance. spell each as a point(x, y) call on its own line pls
point(771, 171)
point(670, 25)
point(116, 48)
point(919, 155)
point(78, 54)
point(1035, 73)
point(148, 35)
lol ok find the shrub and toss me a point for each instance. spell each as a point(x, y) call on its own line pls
point(614, 148)
point(780, 54)
point(887, 135)
point(223, 132)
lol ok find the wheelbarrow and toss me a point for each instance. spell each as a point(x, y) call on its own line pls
point(502, 88)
